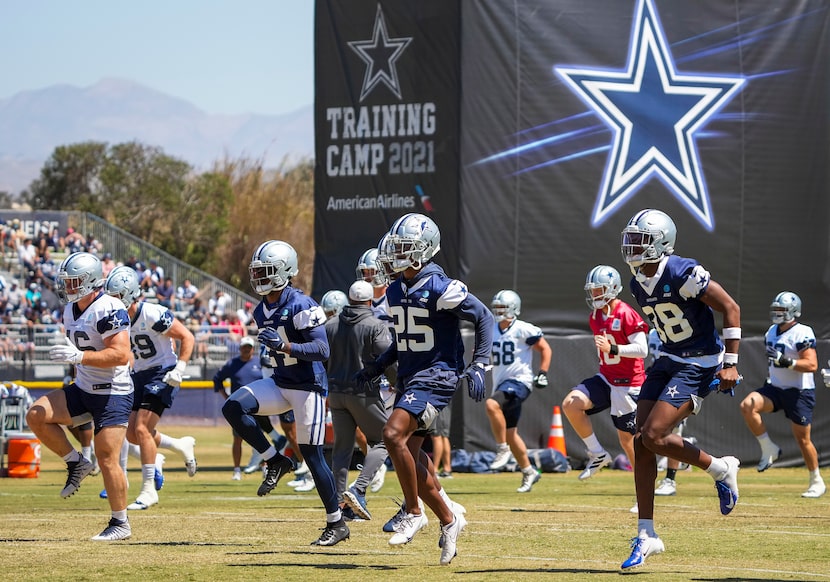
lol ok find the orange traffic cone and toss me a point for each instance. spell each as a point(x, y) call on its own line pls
point(556, 440)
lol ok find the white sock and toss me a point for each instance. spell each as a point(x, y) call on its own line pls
point(717, 468)
point(529, 470)
point(122, 459)
point(148, 473)
point(502, 447)
point(815, 476)
point(166, 442)
point(334, 517)
point(765, 442)
point(74, 456)
point(592, 443)
point(120, 515)
point(645, 528)
point(87, 453)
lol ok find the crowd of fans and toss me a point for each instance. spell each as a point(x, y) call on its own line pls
point(29, 302)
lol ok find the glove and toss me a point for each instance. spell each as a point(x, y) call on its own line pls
point(174, 377)
point(66, 353)
point(540, 380)
point(270, 337)
point(777, 358)
point(475, 376)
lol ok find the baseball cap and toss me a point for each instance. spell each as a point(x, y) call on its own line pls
point(361, 291)
point(247, 341)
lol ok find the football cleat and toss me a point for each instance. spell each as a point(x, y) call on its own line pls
point(503, 456)
point(449, 538)
point(186, 448)
point(727, 486)
point(116, 530)
point(103, 494)
point(76, 471)
point(301, 469)
point(237, 475)
point(407, 527)
point(389, 526)
point(254, 463)
point(307, 485)
point(357, 503)
point(332, 534)
point(275, 468)
point(816, 489)
point(667, 487)
point(144, 500)
point(378, 480)
point(642, 548)
point(158, 474)
point(528, 480)
point(595, 463)
point(768, 459)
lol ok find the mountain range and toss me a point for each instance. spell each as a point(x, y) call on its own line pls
point(33, 123)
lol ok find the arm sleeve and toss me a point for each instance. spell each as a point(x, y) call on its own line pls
point(473, 310)
point(637, 346)
point(315, 347)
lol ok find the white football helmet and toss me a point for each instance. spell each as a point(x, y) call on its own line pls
point(333, 302)
point(413, 240)
point(785, 307)
point(273, 264)
point(649, 236)
point(78, 275)
point(506, 304)
point(367, 269)
point(605, 278)
point(123, 283)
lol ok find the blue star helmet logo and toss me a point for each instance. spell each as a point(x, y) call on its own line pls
point(380, 54)
point(654, 113)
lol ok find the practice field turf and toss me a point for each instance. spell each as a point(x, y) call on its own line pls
point(212, 528)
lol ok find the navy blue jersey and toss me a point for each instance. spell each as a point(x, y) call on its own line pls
point(671, 300)
point(427, 314)
point(300, 321)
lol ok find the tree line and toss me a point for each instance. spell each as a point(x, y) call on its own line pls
point(212, 220)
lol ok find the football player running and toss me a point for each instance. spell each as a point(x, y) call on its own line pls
point(97, 343)
point(427, 308)
point(678, 295)
point(291, 326)
point(157, 376)
point(791, 387)
point(514, 342)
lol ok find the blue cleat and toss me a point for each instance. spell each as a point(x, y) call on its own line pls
point(357, 503)
point(642, 548)
point(103, 494)
point(158, 479)
point(727, 487)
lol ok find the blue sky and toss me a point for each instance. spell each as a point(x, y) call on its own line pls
point(228, 56)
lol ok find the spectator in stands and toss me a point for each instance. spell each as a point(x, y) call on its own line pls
point(56, 241)
point(43, 240)
point(107, 264)
point(198, 311)
point(14, 297)
point(27, 255)
point(33, 295)
point(165, 292)
point(235, 328)
point(153, 275)
point(218, 304)
point(93, 245)
point(46, 268)
point(75, 241)
point(246, 314)
point(185, 295)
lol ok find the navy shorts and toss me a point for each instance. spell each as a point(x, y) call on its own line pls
point(598, 392)
point(150, 392)
point(426, 393)
point(677, 383)
point(103, 409)
point(510, 395)
point(797, 404)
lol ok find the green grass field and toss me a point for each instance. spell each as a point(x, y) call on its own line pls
point(211, 528)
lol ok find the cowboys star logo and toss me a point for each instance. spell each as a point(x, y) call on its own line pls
point(380, 54)
point(410, 398)
point(672, 391)
point(654, 113)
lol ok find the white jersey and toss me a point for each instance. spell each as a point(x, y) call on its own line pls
point(105, 317)
point(799, 337)
point(148, 336)
point(512, 354)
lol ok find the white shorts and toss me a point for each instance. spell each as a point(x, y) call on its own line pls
point(309, 408)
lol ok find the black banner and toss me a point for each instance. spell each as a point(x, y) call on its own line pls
point(387, 127)
point(578, 113)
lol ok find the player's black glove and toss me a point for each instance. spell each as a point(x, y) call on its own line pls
point(777, 358)
point(475, 375)
point(540, 380)
point(270, 337)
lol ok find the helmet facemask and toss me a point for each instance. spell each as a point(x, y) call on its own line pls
point(639, 247)
point(266, 277)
